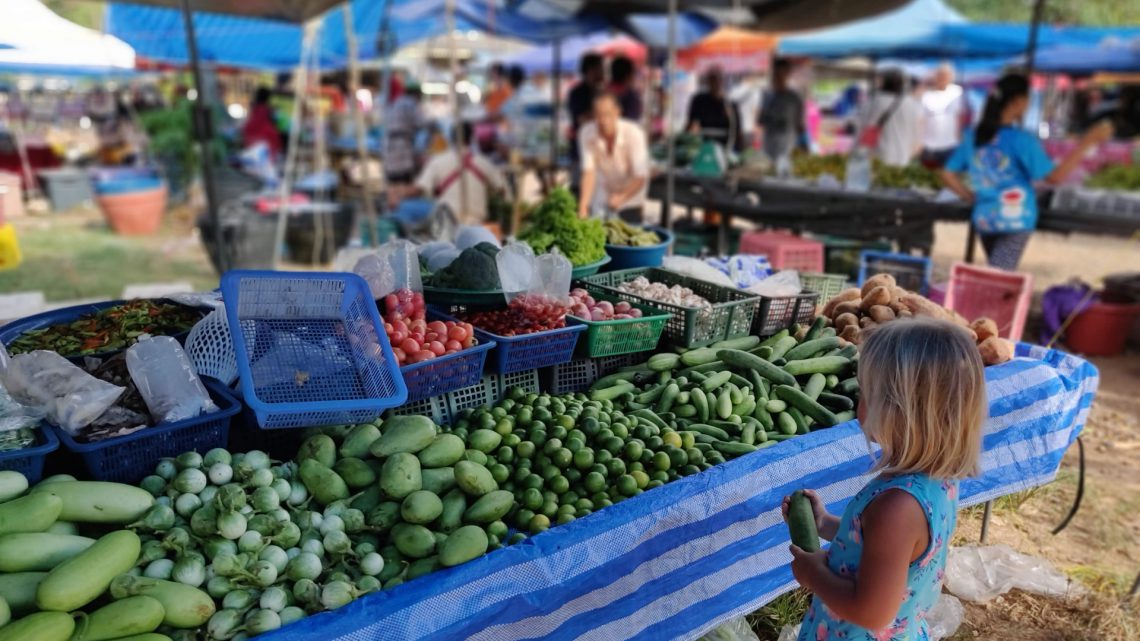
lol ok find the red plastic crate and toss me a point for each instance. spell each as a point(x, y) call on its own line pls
point(784, 251)
point(975, 291)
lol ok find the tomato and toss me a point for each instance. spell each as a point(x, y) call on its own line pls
point(400, 355)
point(457, 333)
point(391, 303)
point(421, 356)
point(397, 337)
point(400, 326)
point(419, 325)
point(437, 348)
point(430, 336)
point(437, 327)
point(453, 346)
point(411, 346)
point(388, 328)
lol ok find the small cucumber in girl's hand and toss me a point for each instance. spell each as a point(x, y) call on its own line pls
point(801, 522)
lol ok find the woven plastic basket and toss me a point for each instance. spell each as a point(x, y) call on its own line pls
point(826, 285)
point(211, 348)
point(29, 461)
point(311, 348)
point(621, 336)
point(783, 312)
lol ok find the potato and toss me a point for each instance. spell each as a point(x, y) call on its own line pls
point(906, 313)
point(878, 280)
point(843, 320)
point(877, 296)
point(959, 319)
point(847, 307)
point(897, 293)
point(867, 322)
point(842, 297)
point(881, 314)
point(898, 307)
point(922, 306)
point(994, 351)
point(852, 334)
point(984, 328)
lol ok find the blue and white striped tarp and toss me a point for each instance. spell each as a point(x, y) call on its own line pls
point(678, 560)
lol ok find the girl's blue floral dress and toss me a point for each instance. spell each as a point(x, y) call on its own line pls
point(939, 500)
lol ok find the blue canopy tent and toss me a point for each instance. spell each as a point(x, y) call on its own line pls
point(1117, 57)
point(996, 40)
point(910, 31)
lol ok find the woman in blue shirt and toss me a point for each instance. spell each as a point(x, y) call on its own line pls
point(1003, 162)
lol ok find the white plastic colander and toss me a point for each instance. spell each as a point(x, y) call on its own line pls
point(211, 348)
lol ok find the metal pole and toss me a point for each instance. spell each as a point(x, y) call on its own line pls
point(555, 116)
point(204, 134)
point(1034, 29)
point(358, 124)
point(300, 92)
point(671, 156)
point(460, 139)
point(986, 521)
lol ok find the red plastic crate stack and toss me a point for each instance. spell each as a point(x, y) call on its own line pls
point(784, 250)
point(975, 291)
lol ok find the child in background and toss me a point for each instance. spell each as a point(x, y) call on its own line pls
point(923, 402)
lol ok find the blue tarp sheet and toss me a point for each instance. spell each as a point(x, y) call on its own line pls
point(1088, 60)
point(898, 33)
point(676, 561)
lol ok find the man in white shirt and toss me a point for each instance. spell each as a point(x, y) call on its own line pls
point(944, 107)
point(615, 163)
point(461, 181)
point(898, 118)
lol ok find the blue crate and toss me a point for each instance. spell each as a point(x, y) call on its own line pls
point(127, 459)
point(529, 351)
point(29, 461)
point(910, 272)
point(311, 348)
point(446, 373)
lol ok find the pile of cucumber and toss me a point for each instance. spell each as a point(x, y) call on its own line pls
point(743, 394)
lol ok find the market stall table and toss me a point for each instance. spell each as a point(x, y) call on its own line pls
point(683, 558)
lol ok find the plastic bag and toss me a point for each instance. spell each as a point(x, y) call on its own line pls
point(544, 278)
point(394, 266)
point(69, 397)
point(790, 632)
point(471, 235)
point(166, 380)
point(780, 284)
point(981, 573)
point(734, 630)
point(15, 415)
point(744, 270)
point(516, 269)
point(697, 268)
point(945, 617)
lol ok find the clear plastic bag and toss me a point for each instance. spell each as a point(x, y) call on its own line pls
point(543, 278)
point(778, 285)
point(167, 381)
point(790, 632)
point(516, 269)
point(945, 617)
point(471, 235)
point(697, 268)
point(395, 266)
point(981, 573)
point(68, 396)
point(734, 630)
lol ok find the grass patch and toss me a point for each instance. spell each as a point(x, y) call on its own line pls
point(69, 257)
point(786, 609)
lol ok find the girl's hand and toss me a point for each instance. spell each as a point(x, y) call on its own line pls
point(807, 566)
point(817, 509)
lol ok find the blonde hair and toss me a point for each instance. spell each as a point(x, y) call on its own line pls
point(924, 397)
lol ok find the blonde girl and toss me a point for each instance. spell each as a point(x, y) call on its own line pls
point(923, 402)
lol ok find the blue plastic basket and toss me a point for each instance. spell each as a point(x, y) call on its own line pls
point(29, 461)
point(529, 351)
point(446, 373)
point(311, 348)
point(910, 272)
point(127, 459)
point(127, 185)
point(625, 257)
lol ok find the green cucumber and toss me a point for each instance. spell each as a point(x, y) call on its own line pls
point(701, 402)
point(816, 327)
point(786, 423)
point(41, 626)
point(612, 392)
point(716, 380)
point(814, 387)
point(744, 360)
point(702, 356)
point(820, 365)
point(82, 578)
point(801, 522)
point(31, 513)
point(709, 430)
point(185, 607)
point(39, 551)
point(848, 387)
point(836, 402)
point(775, 338)
point(668, 397)
point(663, 362)
point(810, 348)
point(12, 484)
point(743, 343)
point(807, 405)
point(782, 346)
point(122, 618)
point(775, 406)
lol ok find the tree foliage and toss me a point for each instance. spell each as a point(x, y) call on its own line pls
point(1081, 12)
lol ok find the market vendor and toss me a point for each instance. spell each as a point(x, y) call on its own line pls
point(1003, 161)
point(454, 177)
point(614, 163)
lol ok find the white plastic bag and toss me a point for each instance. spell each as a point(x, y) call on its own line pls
point(790, 632)
point(471, 235)
point(734, 630)
point(70, 397)
point(945, 617)
point(697, 269)
point(981, 573)
point(395, 265)
point(166, 380)
point(778, 285)
point(516, 269)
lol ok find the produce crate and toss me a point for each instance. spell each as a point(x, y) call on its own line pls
point(433, 407)
point(730, 317)
point(127, 459)
point(485, 392)
point(529, 351)
point(610, 364)
point(311, 348)
point(841, 255)
point(245, 435)
point(446, 373)
point(29, 461)
point(783, 312)
point(527, 379)
point(826, 285)
point(784, 250)
point(976, 291)
point(572, 376)
point(621, 336)
point(910, 272)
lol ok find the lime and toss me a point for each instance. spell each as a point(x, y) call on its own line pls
point(558, 432)
point(688, 470)
point(567, 508)
point(584, 504)
point(602, 456)
point(549, 471)
point(671, 438)
point(522, 519)
point(642, 432)
point(523, 416)
point(572, 473)
point(499, 412)
point(594, 482)
point(619, 430)
point(614, 445)
point(695, 456)
point(549, 508)
point(604, 503)
point(590, 425)
point(552, 445)
point(565, 421)
point(659, 475)
point(655, 443)
point(636, 465)
point(500, 472)
point(532, 498)
point(677, 456)
point(583, 459)
point(688, 439)
point(641, 477)
point(521, 473)
point(616, 467)
point(654, 483)
point(497, 528)
point(575, 444)
point(533, 480)
point(487, 421)
point(581, 513)
point(504, 426)
point(511, 440)
point(626, 484)
point(633, 450)
point(538, 437)
point(569, 497)
point(560, 484)
point(562, 457)
point(504, 454)
point(475, 456)
point(539, 523)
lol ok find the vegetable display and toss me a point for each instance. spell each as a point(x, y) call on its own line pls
point(474, 269)
point(881, 300)
point(673, 295)
point(619, 232)
point(1116, 177)
point(812, 167)
point(554, 223)
point(583, 305)
point(109, 329)
point(413, 338)
point(524, 315)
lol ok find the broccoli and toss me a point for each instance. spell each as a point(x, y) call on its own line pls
point(555, 223)
point(474, 269)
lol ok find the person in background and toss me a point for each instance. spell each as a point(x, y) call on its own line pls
point(403, 122)
point(261, 125)
point(499, 89)
point(947, 115)
point(615, 163)
point(713, 116)
point(580, 105)
point(782, 119)
point(622, 87)
point(452, 177)
point(512, 115)
point(1003, 161)
point(898, 118)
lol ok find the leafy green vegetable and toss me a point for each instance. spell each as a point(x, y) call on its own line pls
point(555, 223)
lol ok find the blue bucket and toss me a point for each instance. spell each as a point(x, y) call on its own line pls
point(651, 256)
point(128, 185)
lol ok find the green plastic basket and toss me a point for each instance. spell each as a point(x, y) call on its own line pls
point(621, 336)
point(589, 269)
point(730, 317)
point(841, 255)
point(826, 285)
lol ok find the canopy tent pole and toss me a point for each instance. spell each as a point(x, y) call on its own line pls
point(204, 134)
point(670, 144)
point(358, 124)
point(555, 115)
point(1034, 32)
point(460, 139)
point(301, 81)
